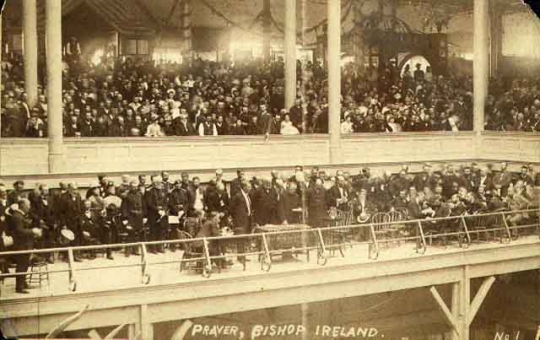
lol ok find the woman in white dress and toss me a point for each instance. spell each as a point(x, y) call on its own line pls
point(287, 127)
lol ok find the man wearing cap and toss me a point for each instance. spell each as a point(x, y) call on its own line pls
point(156, 204)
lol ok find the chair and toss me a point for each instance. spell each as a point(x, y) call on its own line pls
point(396, 216)
point(478, 225)
point(190, 252)
point(383, 230)
point(38, 272)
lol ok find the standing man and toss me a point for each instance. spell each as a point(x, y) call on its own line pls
point(316, 204)
point(241, 212)
point(44, 217)
point(236, 184)
point(501, 180)
point(70, 209)
point(158, 221)
point(133, 213)
point(23, 239)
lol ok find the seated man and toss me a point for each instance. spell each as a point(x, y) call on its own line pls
point(210, 228)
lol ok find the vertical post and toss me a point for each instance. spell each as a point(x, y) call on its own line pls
point(496, 32)
point(334, 77)
point(30, 51)
point(267, 23)
point(147, 329)
point(1, 53)
point(186, 17)
point(464, 304)
point(53, 11)
point(455, 306)
point(481, 62)
point(290, 53)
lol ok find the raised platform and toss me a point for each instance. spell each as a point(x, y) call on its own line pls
point(116, 295)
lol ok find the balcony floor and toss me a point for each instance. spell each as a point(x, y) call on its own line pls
point(123, 273)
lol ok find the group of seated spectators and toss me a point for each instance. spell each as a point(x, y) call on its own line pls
point(135, 210)
point(124, 97)
point(514, 105)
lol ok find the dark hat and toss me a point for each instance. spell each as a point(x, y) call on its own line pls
point(18, 182)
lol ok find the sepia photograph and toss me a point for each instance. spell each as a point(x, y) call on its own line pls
point(270, 169)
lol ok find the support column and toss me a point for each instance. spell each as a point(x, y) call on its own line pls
point(455, 307)
point(290, 53)
point(465, 304)
point(146, 328)
point(53, 11)
point(30, 51)
point(496, 38)
point(267, 25)
point(334, 78)
point(481, 62)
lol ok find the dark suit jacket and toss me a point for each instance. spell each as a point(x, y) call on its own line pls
point(265, 206)
point(240, 214)
point(235, 187)
point(333, 194)
point(21, 226)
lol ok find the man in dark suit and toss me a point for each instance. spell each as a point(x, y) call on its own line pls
point(178, 201)
point(265, 204)
point(44, 217)
point(17, 193)
point(241, 212)
point(316, 204)
point(265, 121)
point(337, 195)
point(69, 209)
point(182, 127)
point(23, 239)
point(484, 180)
point(210, 229)
point(156, 205)
point(502, 180)
point(133, 211)
point(290, 205)
point(236, 183)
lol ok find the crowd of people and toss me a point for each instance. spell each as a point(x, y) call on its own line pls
point(158, 209)
point(125, 97)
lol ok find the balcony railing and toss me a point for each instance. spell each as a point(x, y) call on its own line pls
point(500, 226)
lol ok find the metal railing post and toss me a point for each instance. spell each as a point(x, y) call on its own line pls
point(144, 265)
point(266, 262)
point(321, 249)
point(71, 263)
point(373, 251)
point(421, 247)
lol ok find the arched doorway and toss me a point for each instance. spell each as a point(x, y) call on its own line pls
point(412, 59)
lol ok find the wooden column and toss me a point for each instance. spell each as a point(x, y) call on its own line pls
point(53, 9)
point(267, 25)
point(481, 62)
point(30, 53)
point(334, 78)
point(290, 53)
